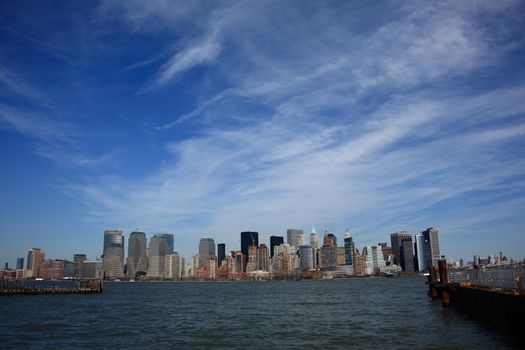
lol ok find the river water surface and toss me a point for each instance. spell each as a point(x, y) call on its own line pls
point(374, 313)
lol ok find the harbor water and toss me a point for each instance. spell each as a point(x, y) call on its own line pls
point(363, 313)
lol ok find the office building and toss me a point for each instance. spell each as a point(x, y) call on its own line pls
point(373, 259)
point(169, 239)
point(329, 239)
point(137, 255)
point(263, 256)
point(19, 263)
point(306, 257)
point(91, 269)
point(341, 256)
point(248, 238)
point(349, 248)
point(174, 268)
point(275, 241)
point(420, 253)
point(221, 253)
point(158, 249)
point(238, 262)
point(395, 240)
point(387, 252)
point(207, 247)
point(328, 258)
point(78, 259)
point(35, 259)
point(285, 259)
point(252, 259)
point(294, 236)
point(407, 254)
point(113, 260)
point(314, 238)
point(432, 251)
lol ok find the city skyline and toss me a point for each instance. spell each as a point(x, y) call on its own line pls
point(261, 116)
point(423, 246)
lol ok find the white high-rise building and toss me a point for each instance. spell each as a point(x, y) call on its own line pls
point(175, 266)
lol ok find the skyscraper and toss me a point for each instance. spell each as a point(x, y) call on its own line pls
point(306, 257)
point(169, 239)
point(137, 254)
point(420, 253)
point(432, 251)
point(395, 239)
point(207, 247)
point(248, 238)
point(314, 238)
point(19, 263)
point(275, 241)
point(158, 249)
point(113, 261)
point(407, 254)
point(349, 248)
point(35, 258)
point(221, 253)
point(374, 260)
point(262, 257)
point(174, 268)
point(293, 237)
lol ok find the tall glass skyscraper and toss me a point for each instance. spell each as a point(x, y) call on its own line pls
point(420, 253)
point(349, 248)
point(113, 261)
point(306, 257)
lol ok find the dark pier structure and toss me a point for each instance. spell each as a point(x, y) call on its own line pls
point(76, 287)
point(493, 295)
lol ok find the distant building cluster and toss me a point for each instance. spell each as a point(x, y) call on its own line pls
point(287, 256)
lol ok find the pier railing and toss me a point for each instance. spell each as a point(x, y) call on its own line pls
point(504, 276)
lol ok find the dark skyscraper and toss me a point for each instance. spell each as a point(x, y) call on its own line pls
point(169, 238)
point(274, 242)
point(207, 247)
point(432, 252)
point(349, 250)
point(20, 263)
point(247, 239)
point(221, 253)
point(407, 255)
point(395, 240)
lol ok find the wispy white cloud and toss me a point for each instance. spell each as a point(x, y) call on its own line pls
point(329, 115)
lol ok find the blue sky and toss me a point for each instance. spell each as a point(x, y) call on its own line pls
point(214, 117)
